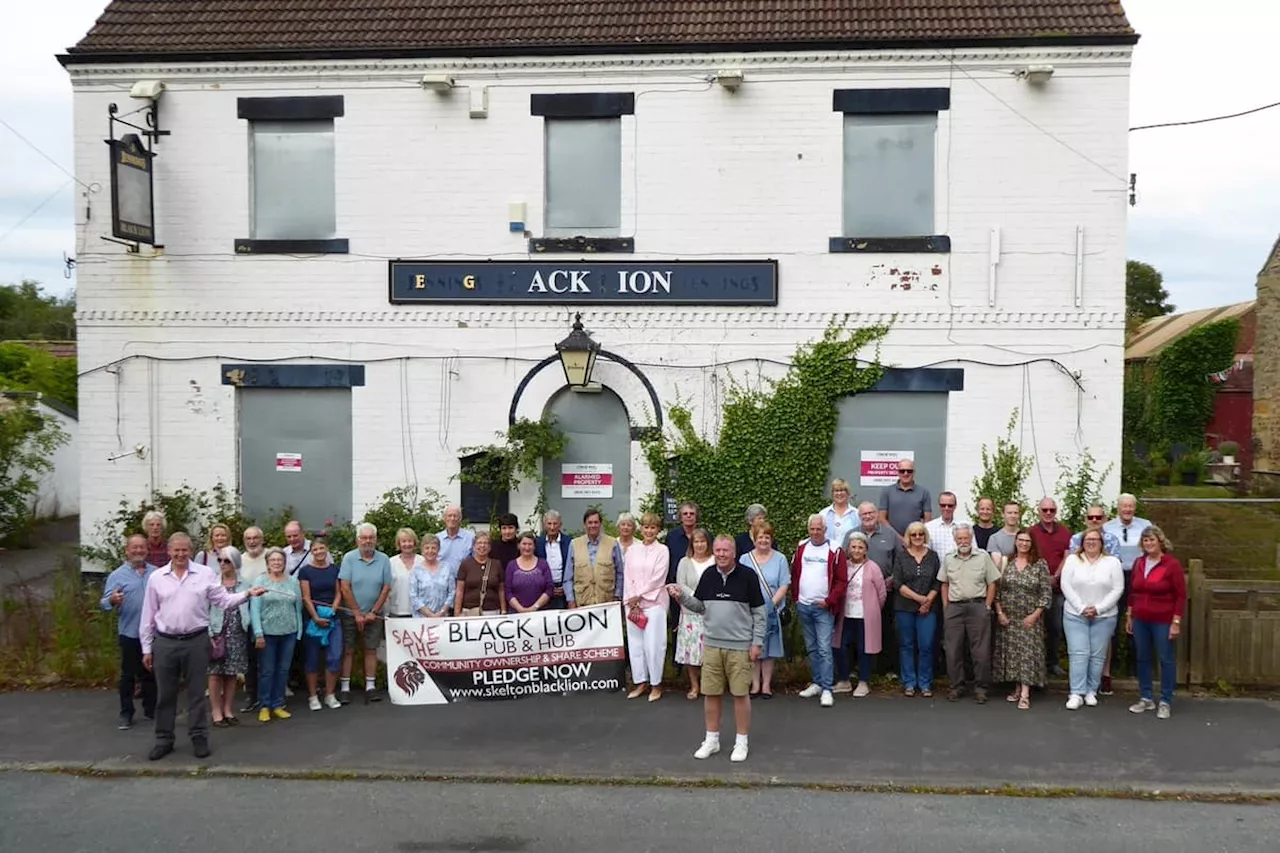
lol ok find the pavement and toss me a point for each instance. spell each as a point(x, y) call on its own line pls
point(53, 543)
point(68, 814)
point(1209, 747)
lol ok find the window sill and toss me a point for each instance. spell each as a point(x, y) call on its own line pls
point(582, 245)
point(292, 247)
point(938, 244)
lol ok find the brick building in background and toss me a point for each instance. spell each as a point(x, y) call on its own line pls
point(708, 185)
point(1266, 378)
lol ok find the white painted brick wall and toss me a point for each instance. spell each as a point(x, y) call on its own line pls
point(706, 174)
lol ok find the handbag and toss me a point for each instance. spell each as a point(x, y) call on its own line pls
point(484, 590)
point(636, 616)
point(218, 645)
point(784, 612)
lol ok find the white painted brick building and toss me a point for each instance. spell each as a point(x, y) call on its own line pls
point(1029, 185)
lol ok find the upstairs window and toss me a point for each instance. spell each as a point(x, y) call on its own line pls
point(583, 177)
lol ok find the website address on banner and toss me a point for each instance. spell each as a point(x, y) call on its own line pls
point(512, 691)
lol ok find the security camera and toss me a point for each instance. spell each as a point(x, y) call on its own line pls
point(147, 89)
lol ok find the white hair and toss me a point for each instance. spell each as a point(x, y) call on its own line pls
point(366, 527)
point(868, 505)
point(962, 528)
point(755, 511)
point(552, 515)
point(816, 517)
point(230, 553)
point(626, 516)
point(1125, 496)
point(153, 515)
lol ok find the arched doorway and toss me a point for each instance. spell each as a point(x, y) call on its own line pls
point(596, 467)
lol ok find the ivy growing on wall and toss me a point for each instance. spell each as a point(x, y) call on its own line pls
point(500, 468)
point(775, 443)
point(1178, 399)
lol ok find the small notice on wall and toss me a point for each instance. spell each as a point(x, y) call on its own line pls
point(880, 467)
point(586, 480)
point(289, 462)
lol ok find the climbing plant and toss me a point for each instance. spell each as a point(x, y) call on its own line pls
point(1004, 471)
point(500, 468)
point(774, 445)
point(1079, 487)
point(1180, 402)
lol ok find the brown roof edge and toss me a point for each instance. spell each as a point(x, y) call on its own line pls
point(89, 57)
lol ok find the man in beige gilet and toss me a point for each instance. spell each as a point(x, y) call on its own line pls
point(594, 573)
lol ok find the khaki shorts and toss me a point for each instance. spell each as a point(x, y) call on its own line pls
point(725, 667)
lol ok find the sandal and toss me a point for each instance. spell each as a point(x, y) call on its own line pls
point(1024, 704)
point(927, 694)
point(1014, 696)
point(908, 692)
point(691, 695)
point(638, 691)
point(766, 694)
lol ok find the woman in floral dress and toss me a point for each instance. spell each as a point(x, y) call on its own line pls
point(1021, 600)
point(230, 626)
point(689, 629)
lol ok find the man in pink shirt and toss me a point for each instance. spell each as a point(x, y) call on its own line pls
point(174, 634)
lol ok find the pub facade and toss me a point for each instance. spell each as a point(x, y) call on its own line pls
point(353, 245)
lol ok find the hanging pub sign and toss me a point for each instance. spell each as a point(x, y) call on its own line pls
point(583, 282)
point(132, 215)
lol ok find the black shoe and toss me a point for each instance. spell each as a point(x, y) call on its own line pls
point(126, 722)
point(150, 716)
point(250, 707)
point(159, 751)
point(372, 696)
point(344, 697)
point(200, 746)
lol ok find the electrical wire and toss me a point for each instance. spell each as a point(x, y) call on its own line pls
point(1204, 120)
point(39, 207)
point(38, 150)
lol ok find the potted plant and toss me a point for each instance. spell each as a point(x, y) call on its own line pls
point(1228, 449)
point(1190, 467)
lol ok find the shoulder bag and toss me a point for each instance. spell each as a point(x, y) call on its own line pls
point(784, 612)
point(484, 590)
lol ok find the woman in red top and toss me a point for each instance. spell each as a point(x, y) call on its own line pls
point(1154, 617)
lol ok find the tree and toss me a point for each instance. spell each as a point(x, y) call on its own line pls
point(1144, 293)
point(27, 442)
point(28, 314)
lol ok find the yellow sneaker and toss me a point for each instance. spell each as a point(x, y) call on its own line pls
point(281, 714)
point(264, 716)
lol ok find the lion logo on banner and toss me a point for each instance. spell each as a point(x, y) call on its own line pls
point(409, 677)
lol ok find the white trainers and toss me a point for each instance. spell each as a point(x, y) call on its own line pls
point(863, 689)
point(1164, 711)
point(810, 691)
point(331, 701)
point(288, 692)
point(739, 752)
point(314, 703)
point(1091, 699)
point(1142, 705)
point(1074, 702)
point(710, 748)
point(842, 687)
point(827, 699)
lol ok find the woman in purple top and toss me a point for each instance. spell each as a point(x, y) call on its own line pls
point(529, 585)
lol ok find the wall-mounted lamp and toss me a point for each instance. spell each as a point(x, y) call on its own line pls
point(439, 83)
point(730, 78)
point(148, 90)
point(1036, 75)
point(578, 355)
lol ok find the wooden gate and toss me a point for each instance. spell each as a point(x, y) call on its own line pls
point(1234, 631)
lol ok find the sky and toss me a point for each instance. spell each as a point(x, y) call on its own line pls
point(1208, 206)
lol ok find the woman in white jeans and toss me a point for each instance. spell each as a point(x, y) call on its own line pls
point(1092, 582)
point(646, 600)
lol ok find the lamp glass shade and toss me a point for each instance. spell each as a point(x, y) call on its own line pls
point(578, 365)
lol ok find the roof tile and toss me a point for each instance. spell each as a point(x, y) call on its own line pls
point(264, 26)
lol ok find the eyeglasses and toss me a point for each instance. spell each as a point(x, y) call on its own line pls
point(226, 562)
point(1094, 517)
point(906, 470)
point(947, 506)
point(1048, 510)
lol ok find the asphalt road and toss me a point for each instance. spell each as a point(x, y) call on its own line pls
point(68, 814)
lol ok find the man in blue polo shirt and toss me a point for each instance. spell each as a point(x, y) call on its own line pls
point(124, 591)
point(365, 578)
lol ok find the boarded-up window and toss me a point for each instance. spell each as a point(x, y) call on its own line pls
point(583, 177)
point(888, 174)
point(291, 163)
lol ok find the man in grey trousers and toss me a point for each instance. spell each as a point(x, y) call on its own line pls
point(174, 632)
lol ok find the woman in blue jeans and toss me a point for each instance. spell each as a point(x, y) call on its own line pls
point(1092, 582)
point(915, 579)
point(277, 624)
point(1156, 604)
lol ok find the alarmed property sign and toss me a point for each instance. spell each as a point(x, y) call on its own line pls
point(437, 661)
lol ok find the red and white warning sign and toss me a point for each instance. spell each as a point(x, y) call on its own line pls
point(289, 462)
point(586, 480)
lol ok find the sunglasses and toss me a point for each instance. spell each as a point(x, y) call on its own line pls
point(906, 470)
point(915, 535)
point(1094, 517)
point(947, 506)
point(1048, 510)
point(226, 562)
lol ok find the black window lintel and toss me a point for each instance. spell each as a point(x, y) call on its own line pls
point(291, 108)
point(939, 244)
point(247, 246)
point(583, 105)
point(887, 101)
point(582, 245)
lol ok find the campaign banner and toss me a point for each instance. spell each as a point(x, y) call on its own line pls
point(880, 467)
point(438, 661)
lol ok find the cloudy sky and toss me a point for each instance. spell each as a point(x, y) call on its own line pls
point(1208, 196)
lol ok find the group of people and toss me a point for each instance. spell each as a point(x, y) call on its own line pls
point(996, 598)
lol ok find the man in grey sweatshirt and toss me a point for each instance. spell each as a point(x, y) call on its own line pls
point(732, 604)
